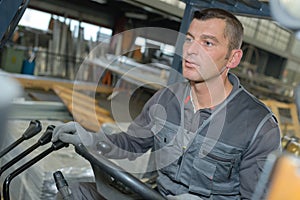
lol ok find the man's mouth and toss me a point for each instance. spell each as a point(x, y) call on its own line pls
point(189, 63)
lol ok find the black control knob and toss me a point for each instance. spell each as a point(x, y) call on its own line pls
point(103, 147)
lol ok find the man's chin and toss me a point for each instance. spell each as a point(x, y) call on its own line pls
point(193, 79)
point(197, 81)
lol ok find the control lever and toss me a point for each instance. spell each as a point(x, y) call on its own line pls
point(55, 146)
point(34, 128)
point(44, 139)
point(62, 186)
point(117, 172)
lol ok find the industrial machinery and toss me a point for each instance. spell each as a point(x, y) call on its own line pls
point(11, 12)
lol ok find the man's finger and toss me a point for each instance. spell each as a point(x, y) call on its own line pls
point(69, 138)
point(69, 128)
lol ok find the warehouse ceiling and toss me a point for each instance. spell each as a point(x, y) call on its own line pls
point(141, 13)
point(106, 13)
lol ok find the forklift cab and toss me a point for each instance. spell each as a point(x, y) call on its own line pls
point(111, 179)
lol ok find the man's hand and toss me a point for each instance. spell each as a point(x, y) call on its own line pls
point(73, 133)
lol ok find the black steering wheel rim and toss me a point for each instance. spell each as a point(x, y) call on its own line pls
point(119, 174)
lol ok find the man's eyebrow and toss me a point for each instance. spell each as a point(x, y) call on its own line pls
point(203, 37)
point(189, 34)
point(210, 37)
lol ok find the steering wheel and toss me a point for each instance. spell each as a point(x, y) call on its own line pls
point(103, 166)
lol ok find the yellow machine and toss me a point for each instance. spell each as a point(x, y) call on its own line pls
point(285, 179)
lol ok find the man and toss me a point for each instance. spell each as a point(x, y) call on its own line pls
point(210, 136)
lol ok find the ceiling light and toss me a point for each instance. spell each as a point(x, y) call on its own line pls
point(136, 15)
point(100, 1)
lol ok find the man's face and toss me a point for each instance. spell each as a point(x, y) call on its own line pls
point(205, 50)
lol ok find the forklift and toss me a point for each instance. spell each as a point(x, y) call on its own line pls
point(112, 179)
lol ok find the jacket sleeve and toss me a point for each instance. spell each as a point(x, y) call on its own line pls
point(253, 160)
point(138, 139)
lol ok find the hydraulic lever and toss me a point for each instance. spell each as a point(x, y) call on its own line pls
point(34, 128)
point(44, 139)
point(55, 146)
point(62, 186)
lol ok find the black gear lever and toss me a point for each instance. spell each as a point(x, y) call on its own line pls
point(62, 186)
point(55, 146)
point(44, 139)
point(34, 128)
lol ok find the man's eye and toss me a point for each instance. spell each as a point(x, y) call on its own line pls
point(208, 43)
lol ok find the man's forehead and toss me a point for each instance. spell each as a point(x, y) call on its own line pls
point(213, 27)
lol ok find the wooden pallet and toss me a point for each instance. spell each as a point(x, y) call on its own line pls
point(85, 110)
point(286, 126)
point(28, 81)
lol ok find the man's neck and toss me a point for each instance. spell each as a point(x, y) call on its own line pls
point(210, 93)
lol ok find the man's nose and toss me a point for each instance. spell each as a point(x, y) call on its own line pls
point(193, 47)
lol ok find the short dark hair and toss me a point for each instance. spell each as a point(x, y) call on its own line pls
point(233, 30)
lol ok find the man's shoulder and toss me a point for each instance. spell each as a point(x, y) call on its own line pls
point(254, 108)
point(254, 101)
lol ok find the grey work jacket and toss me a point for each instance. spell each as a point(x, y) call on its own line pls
point(211, 153)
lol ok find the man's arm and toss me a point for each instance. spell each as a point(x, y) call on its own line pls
point(131, 144)
point(136, 141)
point(266, 141)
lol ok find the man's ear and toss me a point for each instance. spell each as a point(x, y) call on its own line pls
point(235, 58)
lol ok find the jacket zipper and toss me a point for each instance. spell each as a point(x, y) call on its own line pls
point(232, 161)
point(179, 163)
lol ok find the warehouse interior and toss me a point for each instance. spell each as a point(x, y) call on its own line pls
point(97, 62)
